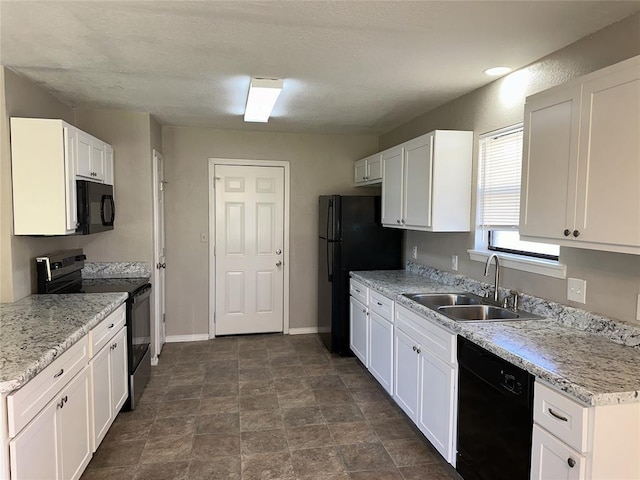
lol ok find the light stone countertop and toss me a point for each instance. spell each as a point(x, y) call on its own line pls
point(36, 330)
point(589, 367)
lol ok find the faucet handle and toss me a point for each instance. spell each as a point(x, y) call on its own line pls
point(511, 300)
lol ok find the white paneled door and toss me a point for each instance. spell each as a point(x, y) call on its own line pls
point(249, 244)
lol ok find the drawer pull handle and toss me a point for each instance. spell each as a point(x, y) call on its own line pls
point(59, 373)
point(111, 326)
point(571, 462)
point(63, 400)
point(379, 303)
point(559, 417)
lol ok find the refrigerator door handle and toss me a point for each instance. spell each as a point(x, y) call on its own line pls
point(329, 261)
point(329, 220)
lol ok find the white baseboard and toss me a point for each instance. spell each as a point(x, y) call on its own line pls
point(187, 338)
point(303, 330)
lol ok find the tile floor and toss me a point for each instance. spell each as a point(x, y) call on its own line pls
point(263, 407)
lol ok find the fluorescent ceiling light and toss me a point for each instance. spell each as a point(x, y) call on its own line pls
point(495, 71)
point(263, 93)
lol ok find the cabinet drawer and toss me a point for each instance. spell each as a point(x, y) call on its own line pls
point(25, 403)
point(100, 335)
point(439, 341)
point(561, 416)
point(381, 305)
point(360, 292)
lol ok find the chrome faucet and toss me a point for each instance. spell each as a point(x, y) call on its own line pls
point(493, 256)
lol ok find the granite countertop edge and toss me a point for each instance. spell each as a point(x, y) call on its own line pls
point(407, 282)
point(55, 350)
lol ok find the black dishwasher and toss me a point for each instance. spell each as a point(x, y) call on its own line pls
point(495, 416)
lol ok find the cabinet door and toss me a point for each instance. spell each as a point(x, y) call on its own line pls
point(552, 459)
point(70, 179)
point(381, 351)
point(97, 159)
point(101, 395)
point(417, 182)
point(549, 163)
point(34, 451)
point(119, 376)
point(437, 402)
point(74, 427)
point(83, 159)
point(608, 204)
point(406, 373)
point(360, 171)
point(392, 178)
point(374, 168)
point(108, 165)
point(358, 319)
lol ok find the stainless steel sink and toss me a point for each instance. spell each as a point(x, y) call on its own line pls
point(436, 300)
point(467, 307)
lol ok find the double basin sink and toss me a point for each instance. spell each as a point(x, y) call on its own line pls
point(467, 307)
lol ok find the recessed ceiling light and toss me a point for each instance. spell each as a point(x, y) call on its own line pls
point(495, 71)
point(263, 93)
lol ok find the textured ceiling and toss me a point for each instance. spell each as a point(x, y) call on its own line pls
point(348, 66)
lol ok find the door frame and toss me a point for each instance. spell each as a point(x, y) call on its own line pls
point(159, 336)
point(212, 233)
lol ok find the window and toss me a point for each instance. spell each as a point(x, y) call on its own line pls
point(500, 163)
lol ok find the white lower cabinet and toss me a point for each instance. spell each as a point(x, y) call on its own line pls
point(50, 427)
point(574, 441)
point(55, 444)
point(437, 399)
point(553, 460)
point(381, 350)
point(425, 378)
point(359, 329)
point(108, 385)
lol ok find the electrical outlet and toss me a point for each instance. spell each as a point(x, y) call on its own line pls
point(203, 237)
point(414, 251)
point(638, 308)
point(577, 290)
point(454, 263)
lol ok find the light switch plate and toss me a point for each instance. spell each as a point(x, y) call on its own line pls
point(577, 290)
point(454, 263)
point(414, 251)
point(638, 308)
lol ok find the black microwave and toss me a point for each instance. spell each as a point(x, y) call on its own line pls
point(96, 207)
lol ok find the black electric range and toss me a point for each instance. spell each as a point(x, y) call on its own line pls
point(61, 272)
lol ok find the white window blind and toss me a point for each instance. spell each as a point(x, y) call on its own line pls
point(499, 180)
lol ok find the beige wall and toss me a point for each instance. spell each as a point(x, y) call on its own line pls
point(130, 135)
point(613, 280)
point(21, 98)
point(320, 164)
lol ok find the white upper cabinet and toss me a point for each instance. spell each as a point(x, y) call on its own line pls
point(47, 155)
point(392, 186)
point(368, 171)
point(426, 183)
point(43, 156)
point(581, 162)
point(92, 159)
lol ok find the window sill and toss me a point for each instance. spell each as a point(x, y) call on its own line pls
point(540, 266)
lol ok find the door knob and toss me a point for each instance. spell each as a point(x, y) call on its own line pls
point(278, 251)
point(278, 263)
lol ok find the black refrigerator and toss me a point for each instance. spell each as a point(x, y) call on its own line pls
point(351, 237)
